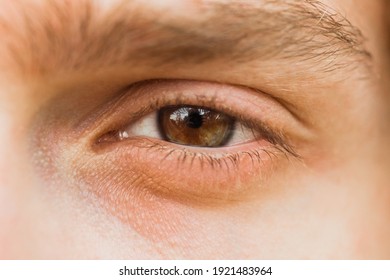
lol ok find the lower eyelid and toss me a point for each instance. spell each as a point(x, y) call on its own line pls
point(142, 178)
point(190, 174)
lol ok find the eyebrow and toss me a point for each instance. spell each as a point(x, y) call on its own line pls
point(65, 37)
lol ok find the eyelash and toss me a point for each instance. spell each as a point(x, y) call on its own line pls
point(229, 159)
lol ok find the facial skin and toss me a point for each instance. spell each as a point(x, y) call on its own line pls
point(311, 78)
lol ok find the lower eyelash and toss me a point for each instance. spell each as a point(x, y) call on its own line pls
point(214, 160)
point(202, 176)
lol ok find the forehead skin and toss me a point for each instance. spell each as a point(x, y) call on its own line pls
point(36, 223)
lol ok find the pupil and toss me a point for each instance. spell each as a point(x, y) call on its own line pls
point(195, 120)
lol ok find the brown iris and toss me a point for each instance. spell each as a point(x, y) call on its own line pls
point(195, 126)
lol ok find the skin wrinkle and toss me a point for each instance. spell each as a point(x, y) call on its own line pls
point(301, 31)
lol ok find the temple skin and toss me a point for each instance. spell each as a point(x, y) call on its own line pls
point(316, 72)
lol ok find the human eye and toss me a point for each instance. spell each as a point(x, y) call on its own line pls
point(190, 126)
point(136, 154)
point(190, 141)
point(193, 127)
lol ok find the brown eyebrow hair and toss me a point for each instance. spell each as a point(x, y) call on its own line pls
point(72, 37)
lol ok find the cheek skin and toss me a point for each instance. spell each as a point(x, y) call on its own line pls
point(157, 196)
point(302, 214)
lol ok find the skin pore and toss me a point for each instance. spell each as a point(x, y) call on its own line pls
point(308, 78)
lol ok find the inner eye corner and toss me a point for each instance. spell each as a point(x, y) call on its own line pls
point(104, 138)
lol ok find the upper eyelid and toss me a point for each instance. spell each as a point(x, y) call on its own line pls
point(125, 100)
point(144, 97)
